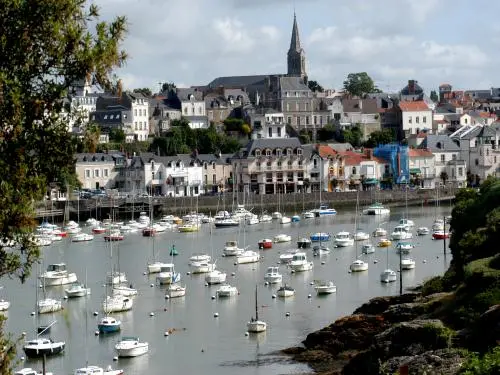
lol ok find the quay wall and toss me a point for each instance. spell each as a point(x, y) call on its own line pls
point(124, 208)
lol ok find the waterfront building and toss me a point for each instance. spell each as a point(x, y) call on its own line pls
point(422, 168)
point(99, 170)
point(217, 172)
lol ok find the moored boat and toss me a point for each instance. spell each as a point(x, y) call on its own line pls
point(131, 347)
point(265, 243)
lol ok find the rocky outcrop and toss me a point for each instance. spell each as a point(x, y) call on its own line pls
point(381, 336)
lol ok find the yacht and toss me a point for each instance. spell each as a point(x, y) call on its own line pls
point(407, 264)
point(367, 248)
point(304, 243)
point(41, 347)
point(401, 232)
point(324, 287)
point(287, 257)
point(265, 243)
point(438, 225)
point(404, 247)
point(273, 276)
point(285, 220)
point(265, 218)
point(168, 275)
point(77, 290)
point(308, 215)
point(109, 324)
point(277, 215)
point(253, 220)
point(299, 263)
point(279, 238)
point(361, 236)
point(49, 305)
point(320, 237)
point(82, 237)
point(123, 290)
point(388, 276)
point(376, 209)
point(285, 291)
point(215, 277)
point(324, 210)
point(295, 218)
point(225, 223)
point(321, 250)
point(384, 242)
point(131, 347)
point(440, 234)
point(422, 231)
point(201, 266)
point(231, 249)
point(343, 239)
point(358, 266)
point(115, 278)
point(30, 371)
point(379, 232)
point(199, 258)
point(155, 267)
point(248, 256)
point(117, 303)
point(226, 290)
point(176, 290)
point(407, 223)
point(95, 370)
point(57, 274)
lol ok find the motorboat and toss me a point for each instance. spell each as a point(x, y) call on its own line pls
point(99, 230)
point(285, 220)
point(117, 303)
point(358, 266)
point(265, 243)
point(304, 243)
point(155, 267)
point(226, 223)
point(367, 248)
point(190, 227)
point(252, 220)
point(379, 232)
point(202, 266)
point(287, 257)
point(299, 263)
point(248, 256)
point(115, 235)
point(167, 275)
point(407, 264)
point(73, 230)
point(41, 347)
point(295, 218)
point(109, 324)
point(285, 291)
point(343, 239)
point(280, 238)
point(438, 225)
point(199, 258)
point(4, 305)
point(401, 232)
point(116, 278)
point(92, 222)
point(422, 231)
point(308, 215)
point(241, 213)
point(143, 218)
point(321, 250)
point(324, 287)
point(96, 370)
point(273, 276)
point(265, 218)
point(324, 210)
point(440, 235)
point(57, 274)
point(41, 240)
point(77, 290)
point(215, 277)
point(320, 237)
point(226, 290)
point(448, 219)
point(361, 236)
point(123, 290)
point(82, 237)
point(49, 305)
point(276, 215)
point(384, 242)
point(176, 290)
point(407, 223)
point(149, 231)
point(30, 371)
point(376, 209)
point(131, 347)
point(231, 249)
point(404, 246)
point(388, 276)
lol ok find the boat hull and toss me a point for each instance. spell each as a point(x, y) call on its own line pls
point(77, 293)
point(265, 244)
point(132, 352)
point(49, 308)
point(54, 349)
point(256, 326)
point(108, 328)
point(70, 278)
point(273, 279)
point(344, 243)
point(304, 244)
point(325, 290)
point(302, 267)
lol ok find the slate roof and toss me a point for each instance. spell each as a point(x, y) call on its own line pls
point(439, 143)
point(418, 90)
point(98, 157)
point(368, 106)
point(479, 132)
point(293, 84)
point(212, 158)
point(272, 143)
point(184, 93)
point(238, 81)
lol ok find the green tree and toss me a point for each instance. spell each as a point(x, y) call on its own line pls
point(91, 137)
point(183, 122)
point(434, 96)
point(326, 133)
point(146, 91)
point(117, 135)
point(353, 136)
point(167, 87)
point(47, 47)
point(380, 137)
point(314, 86)
point(359, 84)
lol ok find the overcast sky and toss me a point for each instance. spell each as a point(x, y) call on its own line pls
point(191, 42)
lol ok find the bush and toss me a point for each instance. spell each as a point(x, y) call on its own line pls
point(433, 285)
point(489, 364)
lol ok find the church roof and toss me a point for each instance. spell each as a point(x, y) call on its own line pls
point(295, 40)
point(293, 84)
point(238, 81)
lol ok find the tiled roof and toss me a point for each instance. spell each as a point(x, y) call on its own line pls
point(419, 153)
point(418, 105)
point(325, 151)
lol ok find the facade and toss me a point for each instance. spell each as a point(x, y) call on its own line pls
point(415, 116)
point(220, 103)
point(99, 170)
point(422, 168)
point(268, 123)
point(332, 169)
point(193, 107)
point(477, 118)
point(362, 113)
point(162, 115)
point(217, 173)
point(83, 99)
point(450, 167)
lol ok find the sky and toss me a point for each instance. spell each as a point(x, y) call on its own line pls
point(191, 42)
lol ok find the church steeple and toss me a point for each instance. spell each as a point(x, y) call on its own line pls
point(296, 59)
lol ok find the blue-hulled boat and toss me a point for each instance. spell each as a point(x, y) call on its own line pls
point(295, 218)
point(324, 210)
point(109, 324)
point(318, 237)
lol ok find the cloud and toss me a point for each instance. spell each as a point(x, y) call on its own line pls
point(195, 41)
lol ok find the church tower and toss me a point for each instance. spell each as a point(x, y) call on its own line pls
point(296, 59)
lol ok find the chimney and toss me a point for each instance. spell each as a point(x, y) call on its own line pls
point(361, 105)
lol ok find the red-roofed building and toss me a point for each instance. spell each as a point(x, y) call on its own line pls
point(362, 168)
point(415, 116)
point(330, 167)
point(422, 168)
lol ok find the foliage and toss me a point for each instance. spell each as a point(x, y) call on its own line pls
point(182, 122)
point(117, 135)
point(314, 86)
point(146, 91)
point(91, 137)
point(305, 136)
point(359, 84)
point(488, 364)
point(167, 87)
point(432, 285)
point(380, 137)
point(237, 125)
point(434, 96)
point(326, 133)
point(353, 136)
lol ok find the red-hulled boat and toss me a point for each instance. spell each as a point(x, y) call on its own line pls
point(114, 236)
point(266, 243)
point(98, 230)
point(440, 235)
point(149, 232)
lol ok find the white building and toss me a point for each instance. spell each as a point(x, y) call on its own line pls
point(268, 123)
point(415, 116)
point(99, 170)
point(422, 168)
point(477, 118)
point(139, 107)
point(193, 107)
point(83, 99)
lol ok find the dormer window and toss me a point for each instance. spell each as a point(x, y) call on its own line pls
point(289, 151)
point(299, 151)
point(257, 153)
point(278, 152)
point(268, 152)
point(178, 164)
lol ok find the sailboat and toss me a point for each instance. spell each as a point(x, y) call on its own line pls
point(214, 276)
point(155, 265)
point(358, 265)
point(40, 347)
point(256, 325)
point(47, 305)
point(388, 275)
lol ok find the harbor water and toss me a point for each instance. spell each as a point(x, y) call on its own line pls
point(199, 342)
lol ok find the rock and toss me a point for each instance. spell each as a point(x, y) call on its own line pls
point(404, 312)
point(313, 356)
point(443, 362)
point(293, 350)
point(380, 304)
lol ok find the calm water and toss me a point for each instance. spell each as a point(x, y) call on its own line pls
point(202, 343)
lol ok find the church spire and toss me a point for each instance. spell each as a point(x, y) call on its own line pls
point(296, 59)
point(295, 41)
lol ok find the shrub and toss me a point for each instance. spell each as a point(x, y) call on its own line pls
point(489, 364)
point(433, 285)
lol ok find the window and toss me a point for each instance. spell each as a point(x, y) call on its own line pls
point(135, 124)
point(289, 163)
point(192, 110)
point(409, 120)
point(465, 120)
point(306, 107)
point(487, 152)
point(96, 172)
point(288, 107)
point(279, 165)
point(269, 177)
point(135, 112)
point(106, 172)
point(353, 170)
point(315, 119)
point(454, 157)
point(105, 117)
point(460, 172)
point(214, 179)
point(257, 153)
point(300, 163)
point(270, 132)
point(140, 112)
point(185, 110)
point(278, 152)
point(205, 165)
point(307, 120)
point(289, 120)
point(268, 165)
point(424, 119)
point(213, 165)
point(268, 152)
point(299, 151)
point(289, 151)
point(297, 108)
point(199, 110)
point(477, 161)
point(443, 158)
point(279, 132)
point(87, 173)
point(296, 94)
point(258, 165)
point(417, 120)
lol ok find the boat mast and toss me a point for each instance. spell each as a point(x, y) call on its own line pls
point(256, 306)
point(356, 222)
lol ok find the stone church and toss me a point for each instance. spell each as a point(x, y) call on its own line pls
point(286, 93)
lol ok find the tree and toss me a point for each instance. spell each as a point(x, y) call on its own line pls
point(146, 91)
point(353, 136)
point(117, 135)
point(327, 133)
point(167, 87)
point(434, 96)
point(49, 46)
point(359, 84)
point(91, 137)
point(380, 137)
point(314, 86)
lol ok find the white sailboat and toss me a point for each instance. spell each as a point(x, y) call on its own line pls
point(358, 265)
point(255, 325)
point(388, 275)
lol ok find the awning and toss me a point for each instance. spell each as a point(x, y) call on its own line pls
point(415, 171)
point(370, 181)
